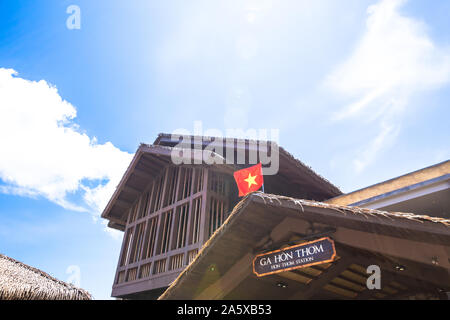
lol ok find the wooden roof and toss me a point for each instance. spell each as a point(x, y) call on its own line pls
point(263, 222)
point(291, 169)
point(19, 281)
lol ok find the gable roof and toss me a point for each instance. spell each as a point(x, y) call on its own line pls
point(19, 281)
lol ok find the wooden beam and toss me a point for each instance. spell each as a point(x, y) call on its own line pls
point(150, 167)
point(327, 275)
point(143, 174)
point(131, 190)
point(123, 204)
point(117, 220)
point(149, 170)
point(396, 247)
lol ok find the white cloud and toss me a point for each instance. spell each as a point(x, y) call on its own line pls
point(43, 152)
point(394, 60)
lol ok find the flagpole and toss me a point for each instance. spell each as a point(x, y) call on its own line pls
point(263, 180)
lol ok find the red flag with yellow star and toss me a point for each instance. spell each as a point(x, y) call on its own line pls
point(249, 179)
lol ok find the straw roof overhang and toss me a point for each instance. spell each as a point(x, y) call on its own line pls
point(19, 281)
point(146, 165)
point(384, 233)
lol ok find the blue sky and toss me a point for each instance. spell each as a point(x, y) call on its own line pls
point(358, 89)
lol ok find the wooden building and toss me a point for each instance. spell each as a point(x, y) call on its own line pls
point(187, 235)
point(167, 211)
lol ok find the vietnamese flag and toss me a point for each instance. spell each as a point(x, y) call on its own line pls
point(249, 179)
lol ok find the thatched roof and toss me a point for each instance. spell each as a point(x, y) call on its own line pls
point(364, 212)
point(19, 281)
point(268, 206)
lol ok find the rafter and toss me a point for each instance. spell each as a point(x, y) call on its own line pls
point(143, 174)
point(329, 274)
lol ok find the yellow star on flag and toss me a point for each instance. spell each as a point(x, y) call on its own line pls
point(250, 180)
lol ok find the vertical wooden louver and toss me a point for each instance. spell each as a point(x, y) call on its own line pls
point(144, 205)
point(127, 246)
point(160, 266)
point(137, 243)
point(218, 183)
point(132, 273)
point(181, 228)
point(144, 271)
point(185, 185)
point(133, 212)
point(166, 231)
point(195, 220)
point(172, 178)
point(216, 214)
point(158, 194)
point(121, 277)
point(176, 261)
point(198, 182)
point(150, 238)
point(191, 255)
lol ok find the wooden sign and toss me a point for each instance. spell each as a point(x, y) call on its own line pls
point(295, 257)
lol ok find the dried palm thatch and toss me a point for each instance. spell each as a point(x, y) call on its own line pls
point(365, 212)
point(19, 281)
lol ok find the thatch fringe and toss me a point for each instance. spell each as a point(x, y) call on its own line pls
point(19, 281)
point(365, 212)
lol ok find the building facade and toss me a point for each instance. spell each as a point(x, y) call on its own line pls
point(187, 235)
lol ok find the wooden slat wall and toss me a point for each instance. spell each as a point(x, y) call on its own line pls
point(191, 255)
point(181, 229)
point(128, 240)
point(195, 224)
point(160, 266)
point(121, 277)
point(176, 261)
point(176, 213)
point(144, 205)
point(145, 271)
point(159, 184)
point(165, 233)
point(131, 274)
point(172, 178)
point(150, 238)
point(198, 180)
point(137, 243)
point(216, 214)
point(185, 185)
point(133, 213)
